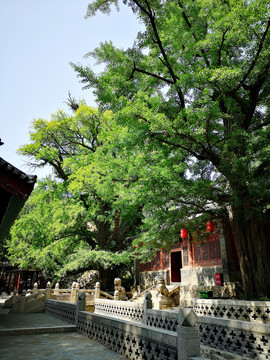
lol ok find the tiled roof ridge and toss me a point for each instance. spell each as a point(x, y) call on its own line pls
point(30, 179)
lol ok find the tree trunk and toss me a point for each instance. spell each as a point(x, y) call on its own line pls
point(103, 227)
point(252, 252)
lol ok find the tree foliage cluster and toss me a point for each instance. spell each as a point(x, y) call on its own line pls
point(188, 132)
point(70, 222)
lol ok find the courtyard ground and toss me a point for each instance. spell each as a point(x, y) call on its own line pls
point(41, 336)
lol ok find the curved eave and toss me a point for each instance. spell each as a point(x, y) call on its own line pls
point(15, 188)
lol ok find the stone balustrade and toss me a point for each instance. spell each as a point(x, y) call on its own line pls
point(129, 339)
point(234, 327)
point(34, 300)
point(168, 334)
point(121, 309)
point(167, 320)
point(252, 311)
point(223, 338)
point(62, 310)
point(70, 295)
point(129, 336)
point(27, 302)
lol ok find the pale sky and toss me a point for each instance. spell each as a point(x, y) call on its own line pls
point(38, 40)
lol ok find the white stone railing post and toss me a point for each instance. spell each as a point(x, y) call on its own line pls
point(35, 288)
point(147, 304)
point(56, 289)
point(81, 303)
point(48, 290)
point(188, 342)
point(116, 295)
point(74, 292)
point(77, 289)
point(97, 290)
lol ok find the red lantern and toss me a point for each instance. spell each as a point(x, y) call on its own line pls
point(183, 233)
point(209, 226)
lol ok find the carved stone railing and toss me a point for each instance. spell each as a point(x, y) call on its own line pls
point(252, 311)
point(162, 319)
point(234, 327)
point(26, 302)
point(105, 295)
point(135, 339)
point(224, 338)
point(62, 310)
point(121, 309)
point(34, 300)
point(129, 339)
point(61, 295)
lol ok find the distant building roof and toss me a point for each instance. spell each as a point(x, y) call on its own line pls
point(15, 188)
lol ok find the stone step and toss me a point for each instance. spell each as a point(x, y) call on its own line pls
point(38, 330)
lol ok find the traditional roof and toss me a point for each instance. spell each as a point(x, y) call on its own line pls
point(15, 188)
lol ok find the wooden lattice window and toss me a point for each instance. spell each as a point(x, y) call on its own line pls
point(209, 252)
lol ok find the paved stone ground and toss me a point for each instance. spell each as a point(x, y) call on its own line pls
point(24, 321)
point(49, 346)
point(65, 346)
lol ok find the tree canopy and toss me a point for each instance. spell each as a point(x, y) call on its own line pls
point(73, 221)
point(181, 134)
point(193, 90)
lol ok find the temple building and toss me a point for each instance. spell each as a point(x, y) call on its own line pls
point(15, 188)
point(195, 267)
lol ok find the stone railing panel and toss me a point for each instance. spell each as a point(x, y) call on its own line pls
point(89, 293)
point(61, 294)
point(120, 309)
point(246, 339)
point(105, 295)
point(34, 303)
point(133, 341)
point(253, 311)
point(61, 310)
point(161, 319)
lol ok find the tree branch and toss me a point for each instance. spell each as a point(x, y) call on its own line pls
point(151, 17)
point(194, 36)
point(220, 48)
point(253, 63)
point(150, 74)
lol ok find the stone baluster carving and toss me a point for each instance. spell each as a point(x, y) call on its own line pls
point(97, 290)
point(48, 290)
point(164, 302)
point(35, 288)
point(119, 290)
point(74, 292)
point(56, 289)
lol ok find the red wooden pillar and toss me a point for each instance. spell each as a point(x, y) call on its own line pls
point(19, 279)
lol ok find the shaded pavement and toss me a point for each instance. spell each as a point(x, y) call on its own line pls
point(41, 336)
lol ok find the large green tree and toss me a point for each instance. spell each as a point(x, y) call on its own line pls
point(73, 221)
point(194, 87)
